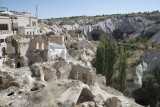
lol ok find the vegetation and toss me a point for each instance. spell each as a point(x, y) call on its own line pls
point(149, 94)
point(78, 31)
point(112, 15)
point(107, 57)
point(122, 69)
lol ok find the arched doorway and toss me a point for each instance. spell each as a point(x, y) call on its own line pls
point(18, 65)
point(85, 96)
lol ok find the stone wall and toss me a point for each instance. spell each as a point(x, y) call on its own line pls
point(83, 74)
point(57, 39)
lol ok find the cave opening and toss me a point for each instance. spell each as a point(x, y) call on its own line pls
point(118, 34)
point(18, 65)
point(95, 36)
point(85, 96)
point(10, 94)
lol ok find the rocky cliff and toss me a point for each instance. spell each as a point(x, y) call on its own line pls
point(91, 27)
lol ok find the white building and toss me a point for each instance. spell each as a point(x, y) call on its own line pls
point(25, 24)
point(5, 31)
point(22, 23)
point(57, 50)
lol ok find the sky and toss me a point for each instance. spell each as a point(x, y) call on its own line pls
point(68, 8)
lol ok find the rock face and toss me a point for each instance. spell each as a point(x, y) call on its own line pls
point(155, 38)
point(145, 66)
point(12, 77)
point(151, 32)
point(94, 29)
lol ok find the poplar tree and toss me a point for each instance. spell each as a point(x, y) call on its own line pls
point(106, 58)
point(123, 64)
point(111, 57)
point(98, 62)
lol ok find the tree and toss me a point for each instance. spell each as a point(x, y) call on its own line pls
point(98, 62)
point(156, 73)
point(106, 58)
point(110, 60)
point(123, 64)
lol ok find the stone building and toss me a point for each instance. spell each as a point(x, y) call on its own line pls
point(39, 49)
point(57, 39)
point(86, 75)
point(28, 50)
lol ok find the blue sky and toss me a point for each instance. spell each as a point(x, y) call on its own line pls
point(67, 8)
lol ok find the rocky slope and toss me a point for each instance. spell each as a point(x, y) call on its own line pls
point(71, 81)
point(45, 89)
point(90, 27)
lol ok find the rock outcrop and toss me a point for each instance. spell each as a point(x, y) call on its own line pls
point(93, 29)
point(143, 67)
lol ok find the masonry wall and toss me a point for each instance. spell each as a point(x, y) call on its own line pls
point(83, 74)
point(57, 39)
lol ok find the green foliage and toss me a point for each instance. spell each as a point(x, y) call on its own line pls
point(153, 44)
point(98, 60)
point(110, 60)
point(149, 93)
point(124, 41)
point(123, 64)
point(132, 41)
point(106, 58)
point(156, 73)
point(78, 31)
point(138, 39)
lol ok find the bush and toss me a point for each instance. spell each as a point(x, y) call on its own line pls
point(78, 31)
point(153, 44)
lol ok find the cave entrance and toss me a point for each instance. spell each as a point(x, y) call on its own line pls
point(118, 34)
point(85, 96)
point(18, 65)
point(96, 34)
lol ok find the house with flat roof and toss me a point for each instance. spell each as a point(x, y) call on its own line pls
point(5, 31)
point(22, 23)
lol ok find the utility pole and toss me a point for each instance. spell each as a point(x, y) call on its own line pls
point(36, 11)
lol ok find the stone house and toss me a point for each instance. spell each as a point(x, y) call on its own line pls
point(39, 49)
point(28, 50)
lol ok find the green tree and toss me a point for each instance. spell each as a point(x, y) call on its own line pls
point(98, 62)
point(110, 60)
point(123, 64)
point(156, 73)
point(106, 58)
